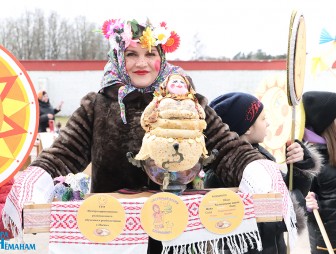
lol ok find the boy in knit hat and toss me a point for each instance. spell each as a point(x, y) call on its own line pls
point(320, 111)
point(245, 115)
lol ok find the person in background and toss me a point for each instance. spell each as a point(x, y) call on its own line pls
point(320, 131)
point(245, 115)
point(47, 111)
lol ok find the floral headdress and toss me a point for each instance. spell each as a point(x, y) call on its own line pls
point(123, 33)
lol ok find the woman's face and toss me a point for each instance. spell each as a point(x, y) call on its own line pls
point(142, 66)
point(45, 98)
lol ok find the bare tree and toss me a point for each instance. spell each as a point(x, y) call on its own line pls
point(53, 36)
point(81, 37)
point(36, 36)
point(16, 39)
point(5, 34)
point(39, 35)
point(88, 44)
point(25, 32)
point(198, 47)
point(66, 40)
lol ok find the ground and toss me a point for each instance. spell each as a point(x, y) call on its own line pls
point(41, 242)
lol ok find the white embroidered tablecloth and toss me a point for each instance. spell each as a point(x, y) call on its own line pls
point(65, 236)
point(36, 186)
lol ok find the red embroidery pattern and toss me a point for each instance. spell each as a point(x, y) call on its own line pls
point(24, 184)
point(64, 229)
point(252, 111)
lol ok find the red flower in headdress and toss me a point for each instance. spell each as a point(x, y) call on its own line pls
point(172, 43)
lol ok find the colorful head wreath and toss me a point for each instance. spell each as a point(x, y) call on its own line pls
point(123, 33)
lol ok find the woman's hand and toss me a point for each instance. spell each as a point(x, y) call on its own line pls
point(294, 153)
point(60, 105)
point(50, 116)
point(311, 202)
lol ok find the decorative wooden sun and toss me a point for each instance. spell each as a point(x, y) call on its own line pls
point(273, 94)
point(18, 115)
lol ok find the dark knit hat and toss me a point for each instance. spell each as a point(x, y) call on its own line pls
point(320, 109)
point(238, 110)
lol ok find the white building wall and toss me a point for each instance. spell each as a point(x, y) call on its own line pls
point(214, 83)
point(71, 86)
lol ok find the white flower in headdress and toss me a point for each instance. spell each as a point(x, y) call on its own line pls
point(113, 43)
point(161, 34)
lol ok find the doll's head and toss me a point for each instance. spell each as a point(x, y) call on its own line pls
point(176, 84)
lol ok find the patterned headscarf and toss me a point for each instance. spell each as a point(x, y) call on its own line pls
point(115, 73)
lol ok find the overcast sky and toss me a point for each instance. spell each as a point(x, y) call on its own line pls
point(224, 27)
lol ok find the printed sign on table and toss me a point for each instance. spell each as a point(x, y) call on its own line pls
point(164, 216)
point(221, 211)
point(101, 218)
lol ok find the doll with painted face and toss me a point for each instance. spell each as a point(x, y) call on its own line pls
point(174, 124)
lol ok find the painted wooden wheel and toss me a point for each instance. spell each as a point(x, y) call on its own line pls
point(296, 58)
point(18, 115)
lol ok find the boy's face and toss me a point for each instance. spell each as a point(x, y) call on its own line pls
point(258, 130)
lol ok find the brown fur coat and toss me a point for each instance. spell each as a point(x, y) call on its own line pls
point(95, 133)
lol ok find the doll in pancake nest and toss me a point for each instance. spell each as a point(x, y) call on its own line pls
point(174, 122)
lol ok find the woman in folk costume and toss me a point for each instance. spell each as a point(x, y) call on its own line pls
point(245, 114)
point(320, 131)
point(106, 126)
